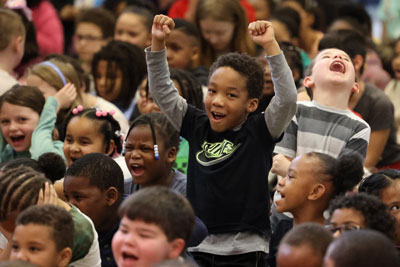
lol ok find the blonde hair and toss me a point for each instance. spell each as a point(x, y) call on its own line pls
point(11, 26)
point(229, 11)
point(51, 75)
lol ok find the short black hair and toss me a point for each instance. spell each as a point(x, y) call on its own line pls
point(363, 248)
point(101, 17)
point(50, 164)
point(102, 171)
point(57, 218)
point(290, 18)
point(376, 214)
point(159, 205)
point(311, 234)
point(188, 28)
point(377, 182)
point(247, 67)
point(128, 58)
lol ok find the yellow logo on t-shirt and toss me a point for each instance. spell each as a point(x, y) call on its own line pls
point(213, 153)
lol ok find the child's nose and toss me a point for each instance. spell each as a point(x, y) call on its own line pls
point(21, 256)
point(13, 126)
point(282, 181)
point(218, 100)
point(338, 56)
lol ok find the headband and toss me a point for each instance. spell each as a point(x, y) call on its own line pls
point(56, 69)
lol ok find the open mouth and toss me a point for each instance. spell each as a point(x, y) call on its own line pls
point(137, 170)
point(337, 66)
point(217, 116)
point(16, 140)
point(129, 257)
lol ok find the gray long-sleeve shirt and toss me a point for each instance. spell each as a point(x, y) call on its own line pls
point(277, 115)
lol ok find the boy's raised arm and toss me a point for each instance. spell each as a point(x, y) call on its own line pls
point(282, 107)
point(161, 87)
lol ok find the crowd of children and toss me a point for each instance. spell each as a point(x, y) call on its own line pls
point(252, 133)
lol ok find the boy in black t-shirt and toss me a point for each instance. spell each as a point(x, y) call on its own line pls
point(230, 153)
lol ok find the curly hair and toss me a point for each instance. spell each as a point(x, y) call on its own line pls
point(247, 67)
point(376, 215)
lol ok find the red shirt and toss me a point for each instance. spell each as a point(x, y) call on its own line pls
point(179, 8)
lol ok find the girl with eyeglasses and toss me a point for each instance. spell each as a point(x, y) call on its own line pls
point(360, 211)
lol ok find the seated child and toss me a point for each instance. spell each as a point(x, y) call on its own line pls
point(27, 121)
point(183, 49)
point(313, 180)
point(95, 185)
point(90, 100)
point(23, 187)
point(385, 185)
point(12, 44)
point(94, 28)
point(151, 146)
point(43, 236)
point(363, 248)
point(360, 211)
point(156, 224)
point(134, 26)
point(305, 245)
point(116, 78)
point(222, 137)
point(90, 131)
point(50, 77)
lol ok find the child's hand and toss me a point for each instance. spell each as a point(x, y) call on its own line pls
point(280, 165)
point(162, 27)
point(66, 96)
point(48, 196)
point(262, 33)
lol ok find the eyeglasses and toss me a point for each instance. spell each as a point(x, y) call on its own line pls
point(88, 38)
point(343, 228)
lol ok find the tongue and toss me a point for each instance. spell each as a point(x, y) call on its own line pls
point(337, 67)
point(17, 140)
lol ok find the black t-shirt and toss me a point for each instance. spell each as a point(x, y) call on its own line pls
point(377, 110)
point(227, 174)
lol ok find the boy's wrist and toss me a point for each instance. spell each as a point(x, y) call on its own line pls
point(157, 45)
point(272, 48)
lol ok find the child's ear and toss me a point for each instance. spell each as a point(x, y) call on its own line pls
point(308, 82)
point(355, 89)
point(64, 256)
point(19, 45)
point(358, 62)
point(252, 105)
point(111, 195)
point(195, 55)
point(177, 246)
point(317, 192)
point(171, 154)
point(111, 148)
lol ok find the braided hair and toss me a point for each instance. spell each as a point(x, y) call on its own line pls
point(19, 189)
point(160, 126)
point(127, 58)
point(109, 127)
point(191, 89)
